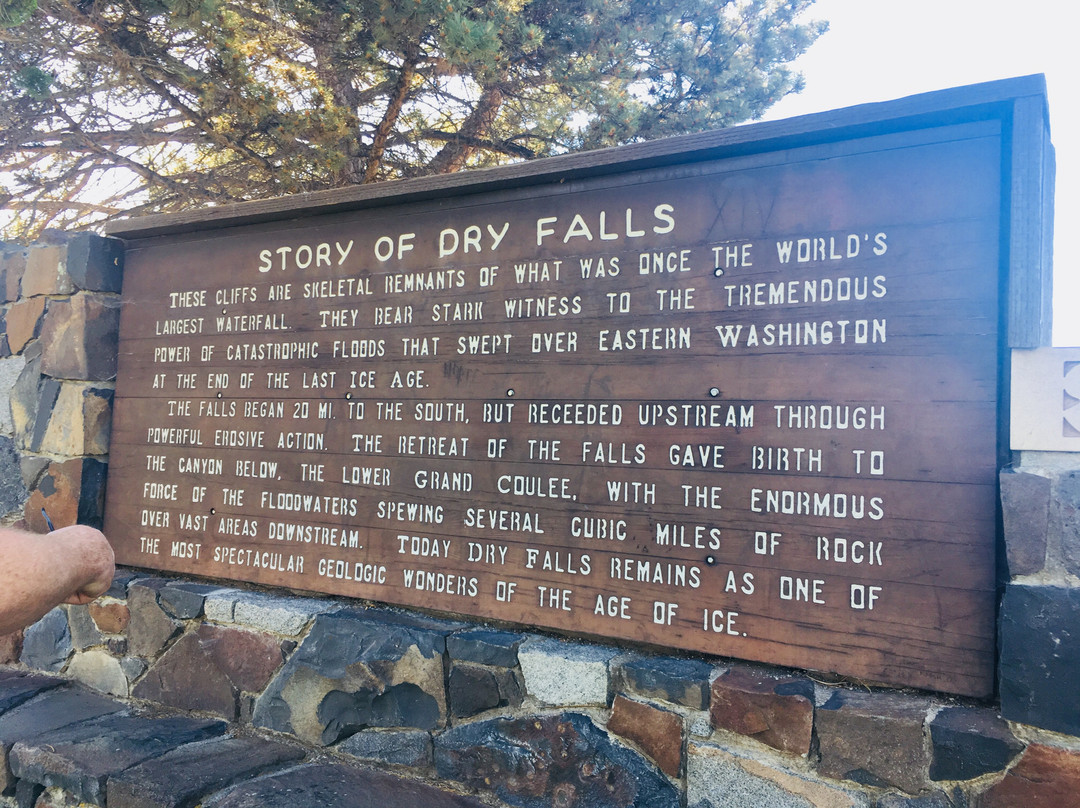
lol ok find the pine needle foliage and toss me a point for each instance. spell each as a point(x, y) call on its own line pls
point(115, 108)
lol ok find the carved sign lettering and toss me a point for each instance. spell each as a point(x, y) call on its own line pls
point(746, 407)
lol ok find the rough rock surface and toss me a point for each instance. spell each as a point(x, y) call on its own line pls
point(1039, 661)
point(680, 681)
point(874, 738)
point(718, 778)
point(358, 669)
point(969, 743)
point(207, 669)
point(562, 760)
point(56, 707)
point(659, 733)
point(1045, 777)
point(79, 338)
point(184, 776)
point(81, 758)
point(327, 786)
point(1025, 510)
point(562, 674)
point(47, 643)
point(776, 710)
point(397, 747)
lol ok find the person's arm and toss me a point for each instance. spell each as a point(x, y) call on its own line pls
point(37, 572)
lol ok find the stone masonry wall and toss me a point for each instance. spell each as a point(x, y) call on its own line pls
point(513, 716)
point(529, 720)
point(60, 313)
point(1039, 618)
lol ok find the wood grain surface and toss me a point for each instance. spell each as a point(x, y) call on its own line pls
point(746, 406)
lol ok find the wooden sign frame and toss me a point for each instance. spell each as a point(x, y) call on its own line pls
point(737, 393)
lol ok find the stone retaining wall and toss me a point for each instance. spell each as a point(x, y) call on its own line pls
point(518, 717)
point(58, 337)
point(535, 720)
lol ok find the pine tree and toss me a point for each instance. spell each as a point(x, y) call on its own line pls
point(127, 107)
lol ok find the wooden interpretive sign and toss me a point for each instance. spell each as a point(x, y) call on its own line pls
point(744, 405)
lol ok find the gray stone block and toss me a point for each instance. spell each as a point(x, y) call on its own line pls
point(31, 468)
point(13, 492)
point(969, 743)
point(1025, 510)
point(100, 670)
point(1065, 518)
point(12, 269)
point(565, 674)
point(133, 667)
point(276, 614)
point(25, 396)
point(679, 681)
point(185, 601)
point(10, 370)
point(718, 778)
point(120, 584)
point(27, 793)
point(92, 492)
point(84, 632)
point(411, 748)
point(473, 688)
point(17, 687)
point(49, 392)
point(47, 643)
point(939, 799)
point(220, 606)
point(94, 263)
point(55, 708)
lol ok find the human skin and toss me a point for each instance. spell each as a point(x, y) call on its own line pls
point(39, 571)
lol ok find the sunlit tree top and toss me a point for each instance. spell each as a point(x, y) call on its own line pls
point(145, 106)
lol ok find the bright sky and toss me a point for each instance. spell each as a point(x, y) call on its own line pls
point(878, 50)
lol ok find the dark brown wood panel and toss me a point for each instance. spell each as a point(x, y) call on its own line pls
point(742, 407)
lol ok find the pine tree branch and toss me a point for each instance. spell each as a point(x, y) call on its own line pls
point(389, 119)
point(126, 58)
point(462, 144)
point(126, 162)
point(507, 146)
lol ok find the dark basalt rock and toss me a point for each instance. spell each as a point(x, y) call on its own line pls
point(1039, 663)
point(969, 743)
point(327, 786)
point(680, 681)
point(358, 669)
point(50, 710)
point(402, 705)
point(81, 758)
point(485, 647)
point(181, 778)
point(562, 760)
